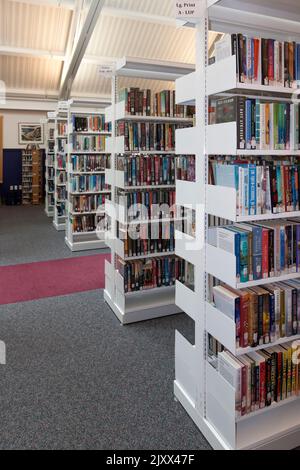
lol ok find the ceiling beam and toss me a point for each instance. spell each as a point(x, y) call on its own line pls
point(28, 52)
point(80, 48)
point(73, 35)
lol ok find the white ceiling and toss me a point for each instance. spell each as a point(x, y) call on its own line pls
point(36, 38)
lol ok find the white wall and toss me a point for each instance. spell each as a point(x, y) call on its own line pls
point(11, 120)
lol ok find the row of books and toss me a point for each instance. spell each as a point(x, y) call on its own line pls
point(88, 183)
point(262, 315)
point(186, 168)
point(51, 145)
point(61, 161)
point(262, 250)
point(89, 203)
point(62, 145)
point(85, 223)
point(261, 378)
point(142, 103)
point(51, 133)
point(262, 61)
point(264, 187)
point(148, 137)
point(61, 193)
point(51, 200)
point(92, 143)
point(62, 128)
point(50, 160)
point(261, 124)
point(61, 208)
point(148, 204)
point(141, 170)
point(89, 163)
point(61, 177)
point(143, 239)
point(152, 273)
point(50, 187)
point(90, 124)
point(50, 172)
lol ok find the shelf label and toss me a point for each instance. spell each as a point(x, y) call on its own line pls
point(63, 105)
point(188, 10)
point(51, 115)
point(107, 70)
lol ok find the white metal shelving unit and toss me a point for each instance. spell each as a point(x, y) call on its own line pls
point(49, 174)
point(206, 396)
point(153, 303)
point(60, 149)
point(90, 240)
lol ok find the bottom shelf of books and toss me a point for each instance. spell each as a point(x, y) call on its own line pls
point(254, 401)
point(139, 296)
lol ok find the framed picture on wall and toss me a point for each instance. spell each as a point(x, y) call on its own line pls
point(31, 133)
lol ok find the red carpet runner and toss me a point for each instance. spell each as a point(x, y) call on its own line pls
point(33, 281)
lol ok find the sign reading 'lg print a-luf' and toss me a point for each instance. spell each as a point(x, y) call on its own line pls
point(187, 10)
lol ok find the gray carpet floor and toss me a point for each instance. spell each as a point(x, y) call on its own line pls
point(76, 379)
point(27, 235)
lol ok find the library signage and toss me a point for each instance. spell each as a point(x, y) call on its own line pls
point(188, 10)
point(107, 70)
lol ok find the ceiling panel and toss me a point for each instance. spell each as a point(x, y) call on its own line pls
point(117, 37)
point(30, 73)
point(34, 26)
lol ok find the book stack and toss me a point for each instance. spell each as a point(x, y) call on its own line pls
point(50, 172)
point(88, 203)
point(151, 273)
point(145, 170)
point(86, 223)
point(263, 187)
point(61, 195)
point(62, 145)
point(142, 103)
point(151, 238)
point(26, 176)
point(156, 203)
point(185, 168)
point(60, 205)
point(261, 124)
point(86, 176)
point(89, 163)
point(148, 136)
point(262, 61)
point(262, 378)
point(263, 314)
point(87, 183)
point(262, 250)
point(62, 128)
point(92, 143)
point(95, 123)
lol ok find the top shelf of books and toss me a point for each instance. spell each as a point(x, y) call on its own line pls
point(253, 82)
point(140, 105)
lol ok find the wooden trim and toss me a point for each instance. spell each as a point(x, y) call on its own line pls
point(1, 149)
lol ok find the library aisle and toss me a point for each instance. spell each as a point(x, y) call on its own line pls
point(150, 227)
point(66, 384)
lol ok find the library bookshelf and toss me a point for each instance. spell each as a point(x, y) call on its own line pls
point(207, 397)
point(60, 166)
point(130, 307)
point(85, 209)
point(49, 166)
